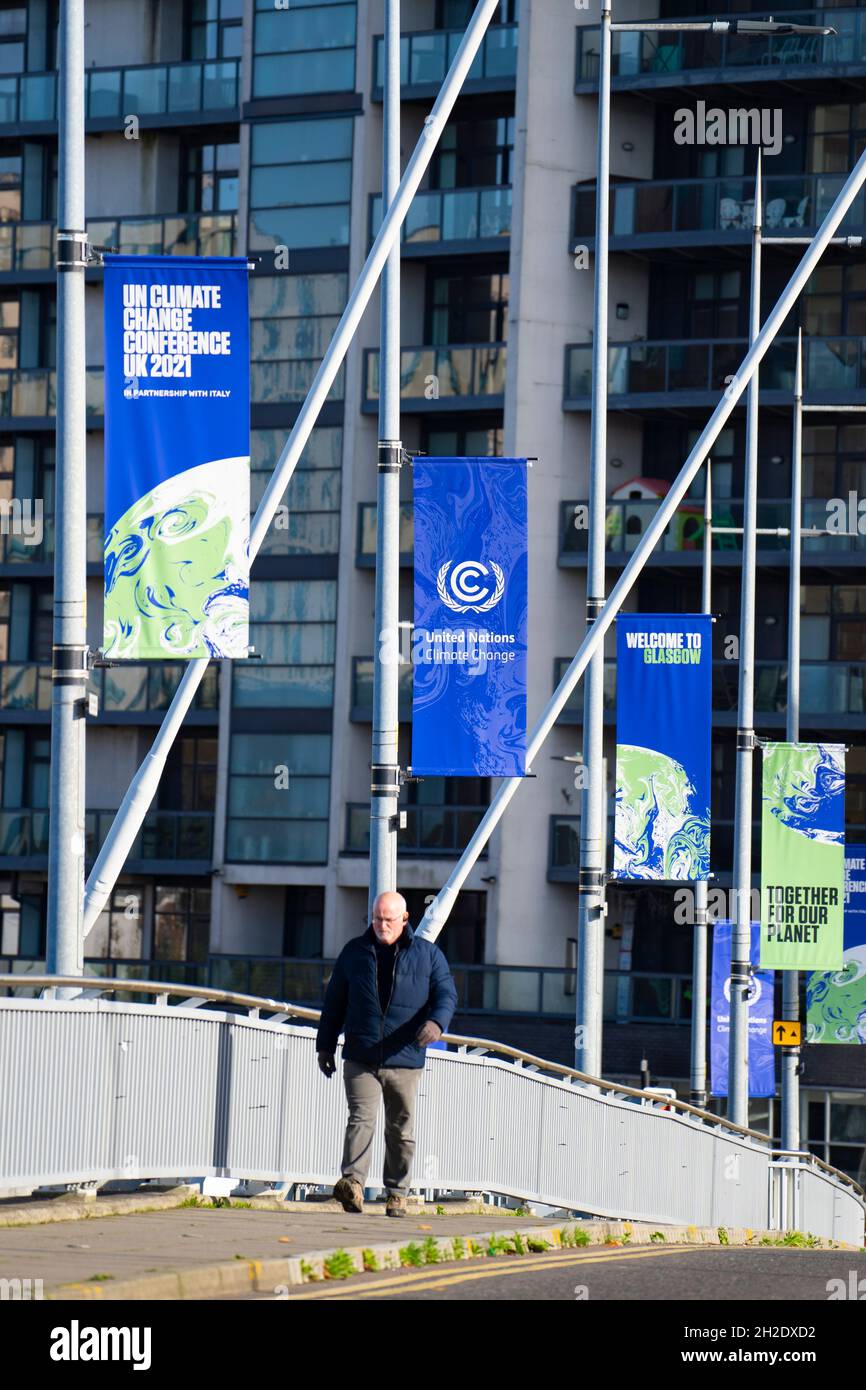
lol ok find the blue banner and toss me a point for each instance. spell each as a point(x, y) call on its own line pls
point(762, 1071)
point(664, 672)
point(469, 641)
point(177, 457)
point(836, 999)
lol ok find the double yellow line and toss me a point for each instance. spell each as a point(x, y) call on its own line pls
point(461, 1273)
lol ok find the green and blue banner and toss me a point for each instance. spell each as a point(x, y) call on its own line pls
point(762, 1071)
point(836, 999)
point(802, 856)
point(664, 678)
point(177, 457)
point(469, 638)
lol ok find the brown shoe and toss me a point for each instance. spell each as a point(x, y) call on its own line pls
point(395, 1205)
point(350, 1194)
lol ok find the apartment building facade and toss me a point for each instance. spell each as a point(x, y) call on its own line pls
point(247, 126)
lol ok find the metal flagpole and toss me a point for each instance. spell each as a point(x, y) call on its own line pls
point(698, 1093)
point(741, 928)
point(439, 909)
point(591, 882)
point(65, 943)
point(384, 763)
point(790, 1130)
point(140, 793)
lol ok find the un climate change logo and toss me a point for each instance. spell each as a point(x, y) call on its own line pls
point(465, 589)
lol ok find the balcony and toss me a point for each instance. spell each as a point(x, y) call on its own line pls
point(682, 542)
point(693, 372)
point(365, 550)
point(126, 692)
point(31, 393)
point(27, 248)
point(163, 93)
point(832, 693)
point(452, 221)
point(468, 377)
point(362, 690)
point(15, 550)
point(179, 840)
point(432, 831)
point(684, 213)
point(426, 56)
point(704, 59)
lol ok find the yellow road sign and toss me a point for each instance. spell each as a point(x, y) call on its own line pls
point(786, 1033)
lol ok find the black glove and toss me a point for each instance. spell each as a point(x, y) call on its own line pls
point(326, 1063)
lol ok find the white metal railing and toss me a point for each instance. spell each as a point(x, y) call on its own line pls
point(96, 1090)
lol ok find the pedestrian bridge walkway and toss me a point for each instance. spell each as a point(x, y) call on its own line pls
point(185, 1083)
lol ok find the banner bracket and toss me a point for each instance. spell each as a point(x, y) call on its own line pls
point(746, 741)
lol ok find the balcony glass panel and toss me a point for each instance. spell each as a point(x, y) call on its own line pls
point(38, 99)
point(145, 90)
point(104, 93)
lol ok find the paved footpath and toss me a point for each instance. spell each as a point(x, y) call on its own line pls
point(143, 1246)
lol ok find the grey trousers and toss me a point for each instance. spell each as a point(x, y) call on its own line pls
point(365, 1087)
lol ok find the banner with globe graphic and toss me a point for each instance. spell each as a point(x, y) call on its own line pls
point(762, 1077)
point(836, 999)
point(469, 637)
point(803, 856)
point(177, 457)
point(664, 666)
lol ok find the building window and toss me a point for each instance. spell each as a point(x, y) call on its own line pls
point(303, 47)
point(210, 180)
point(22, 925)
point(300, 183)
point(292, 320)
point(468, 308)
point(13, 36)
point(214, 28)
point(303, 927)
point(276, 816)
point(837, 1130)
point(292, 626)
point(181, 922)
point(189, 780)
point(309, 524)
point(118, 930)
point(474, 154)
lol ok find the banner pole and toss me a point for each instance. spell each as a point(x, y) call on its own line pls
point(65, 940)
point(591, 880)
point(385, 759)
point(790, 1129)
point(439, 909)
point(698, 1093)
point(741, 880)
point(142, 789)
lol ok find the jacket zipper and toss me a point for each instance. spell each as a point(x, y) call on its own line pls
point(386, 1008)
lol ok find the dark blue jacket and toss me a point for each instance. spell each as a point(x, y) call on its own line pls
point(422, 989)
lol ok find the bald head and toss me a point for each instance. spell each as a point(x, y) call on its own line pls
point(390, 916)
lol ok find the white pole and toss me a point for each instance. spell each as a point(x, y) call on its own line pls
point(698, 1093)
point(591, 884)
point(790, 1133)
point(439, 909)
point(384, 761)
point(741, 927)
point(133, 809)
point(65, 942)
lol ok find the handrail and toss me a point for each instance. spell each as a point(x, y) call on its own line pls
point(828, 1167)
point(89, 984)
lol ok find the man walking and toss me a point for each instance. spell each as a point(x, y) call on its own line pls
point(392, 994)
